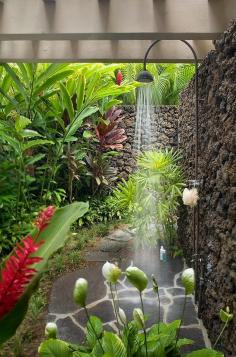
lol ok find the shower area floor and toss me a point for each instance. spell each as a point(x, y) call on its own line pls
point(119, 247)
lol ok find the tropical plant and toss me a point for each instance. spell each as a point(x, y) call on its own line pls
point(151, 195)
point(107, 131)
point(100, 171)
point(133, 337)
point(169, 81)
point(23, 268)
point(101, 209)
point(44, 139)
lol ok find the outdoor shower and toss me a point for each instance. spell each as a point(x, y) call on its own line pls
point(146, 77)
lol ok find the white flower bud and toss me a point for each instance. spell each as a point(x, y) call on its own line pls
point(51, 330)
point(188, 280)
point(226, 316)
point(190, 197)
point(138, 317)
point(122, 317)
point(80, 291)
point(111, 272)
point(137, 278)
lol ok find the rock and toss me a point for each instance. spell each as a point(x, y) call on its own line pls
point(120, 235)
point(164, 134)
point(217, 166)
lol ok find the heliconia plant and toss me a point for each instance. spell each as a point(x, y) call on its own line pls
point(133, 338)
point(21, 271)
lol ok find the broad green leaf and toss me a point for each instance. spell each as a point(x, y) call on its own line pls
point(21, 123)
point(10, 99)
point(72, 128)
point(113, 345)
point(205, 352)
point(51, 69)
point(10, 322)
point(52, 80)
point(92, 85)
point(24, 73)
point(55, 348)
point(225, 316)
point(94, 332)
point(111, 103)
point(55, 234)
point(81, 354)
point(37, 142)
point(87, 134)
point(31, 160)
point(7, 80)
point(67, 101)
point(17, 81)
point(184, 341)
point(27, 133)
point(80, 92)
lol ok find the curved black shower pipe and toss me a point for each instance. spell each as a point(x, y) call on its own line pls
point(195, 210)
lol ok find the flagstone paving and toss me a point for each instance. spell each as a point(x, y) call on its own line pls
point(119, 247)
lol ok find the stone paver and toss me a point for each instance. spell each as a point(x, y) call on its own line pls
point(71, 319)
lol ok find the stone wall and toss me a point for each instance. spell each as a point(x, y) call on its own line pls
point(164, 135)
point(217, 169)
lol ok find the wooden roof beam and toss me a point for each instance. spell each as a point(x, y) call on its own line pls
point(115, 19)
point(100, 51)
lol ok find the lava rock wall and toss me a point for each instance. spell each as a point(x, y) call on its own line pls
point(164, 134)
point(217, 169)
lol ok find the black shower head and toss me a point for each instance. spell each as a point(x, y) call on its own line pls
point(145, 77)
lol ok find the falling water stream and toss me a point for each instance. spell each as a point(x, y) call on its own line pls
point(143, 137)
point(144, 219)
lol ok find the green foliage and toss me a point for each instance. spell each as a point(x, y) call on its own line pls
point(55, 348)
point(133, 340)
point(151, 194)
point(169, 81)
point(205, 353)
point(101, 210)
point(54, 236)
point(48, 119)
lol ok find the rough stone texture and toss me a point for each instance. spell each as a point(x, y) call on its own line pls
point(164, 135)
point(217, 168)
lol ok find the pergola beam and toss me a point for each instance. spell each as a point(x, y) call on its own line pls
point(114, 19)
point(100, 51)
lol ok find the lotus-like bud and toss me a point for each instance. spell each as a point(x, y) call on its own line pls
point(190, 197)
point(137, 278)
point(188, 280)
point(138, 317)
point(122, 317)
point(225, 315)
point(80, 291)
point(154, 284)
point(51, 330)
point(111, 272)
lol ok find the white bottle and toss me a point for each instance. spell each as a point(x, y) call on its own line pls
point(162, 254)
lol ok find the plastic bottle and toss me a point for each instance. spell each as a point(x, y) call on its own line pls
point(162, 254)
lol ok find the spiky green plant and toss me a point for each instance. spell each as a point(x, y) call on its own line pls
point(151, 194)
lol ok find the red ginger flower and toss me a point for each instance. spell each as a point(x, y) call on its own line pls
point(44, 218)
point(119, 77)
point(17, 273)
